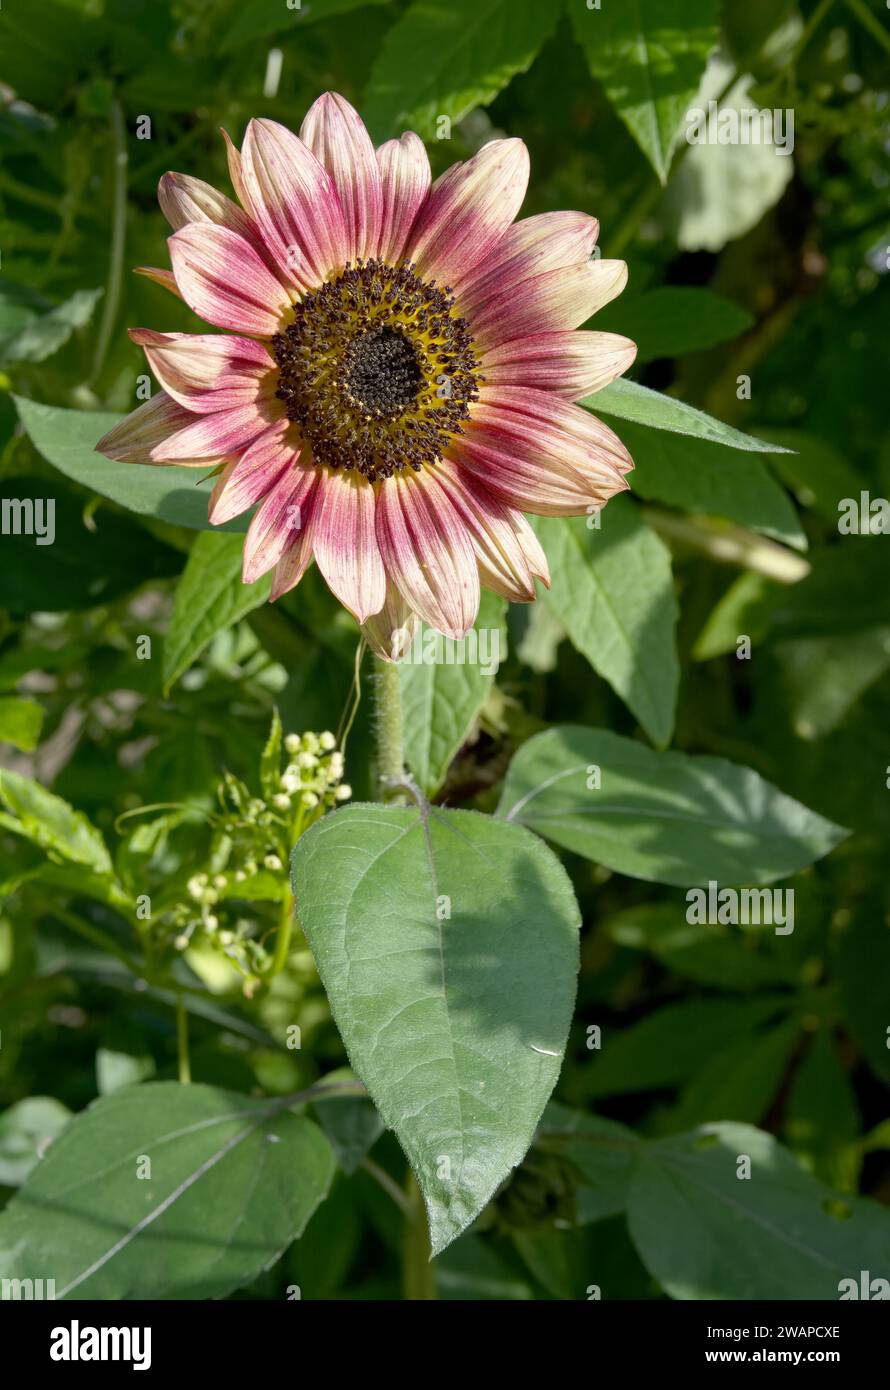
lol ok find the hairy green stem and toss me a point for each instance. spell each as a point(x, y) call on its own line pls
point(390, 733)
point(390, 1187)
point(182, 1042)
point(283, 939)
point(118, 233)
point(870, 22)
point(418, 1277)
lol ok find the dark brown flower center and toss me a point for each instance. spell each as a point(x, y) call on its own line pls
point(381, 372)
point(377, 370)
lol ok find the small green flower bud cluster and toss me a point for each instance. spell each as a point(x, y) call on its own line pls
point(312, 777)
point(251, 844)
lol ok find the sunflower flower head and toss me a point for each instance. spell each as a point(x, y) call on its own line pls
point(397, 379)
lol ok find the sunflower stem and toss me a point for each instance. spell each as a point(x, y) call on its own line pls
point(418, 1278)
point(118, 235)
point(390, 732)
point(182, 1042)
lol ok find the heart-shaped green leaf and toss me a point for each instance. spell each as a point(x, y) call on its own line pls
point(448, 945)
point(666, 817)
point(166, 1191)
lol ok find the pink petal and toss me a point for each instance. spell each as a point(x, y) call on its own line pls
point(553, 424)
point(558, 299)
point(427, 552)
point(223, 279)
point(469, 208)
point(336, 135)
point(293, 200)
point(540, 454)
point(294, 562)
point(345, 543)
point(284, 514)
point(137, 438)
point(556, 430)
point(184, 199)
point(503, 566)
point(206, 372)
point(571, 364)
point(212, 436)
point(390, 632)
point(165, 278)
point(233, 156)
point(405, 179)
point(547, 241)
point(222, 478)
point(531, 548)
point(255, 473)
point(523, 480)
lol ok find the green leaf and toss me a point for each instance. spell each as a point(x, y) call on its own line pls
point(114, 1070)
point(816, 472)
point(630, 401)
point(704, 1232)
point(702, 477)
point(721, 191)
point(210, 597)
point(51, 823)
point(863, 968)
point(741, 1077)
point(55, 561)
point(444, 60)
point(259, 19)
point(44, 335)
point(847, 591)
point(444, 685)
point(667, 1046)
point(20, 723)
point(67, 440)
point(743, 610)
point(613, 592)
point(673, 320)
point(711, 953)
point(822, 1120)
point(472, 1271)
point(232, 1181)
point(447, 944)
point(19, 305)
point(124, 1058)
point(351, 1123)
point(270, 758)
point(826, 676)
point(665, 817)
point(600, 1151)
point(649, 55)
point(26, 1129)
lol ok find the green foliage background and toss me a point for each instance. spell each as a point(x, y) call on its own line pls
point(745, 265)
